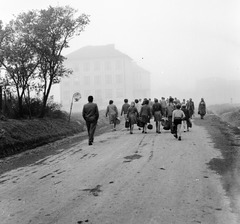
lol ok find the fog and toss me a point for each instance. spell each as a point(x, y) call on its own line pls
point(186, 45)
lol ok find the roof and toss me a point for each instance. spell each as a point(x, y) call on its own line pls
point(91, 52)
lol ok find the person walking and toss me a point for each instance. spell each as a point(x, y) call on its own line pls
point(177, 117)
point(124, 110)
point(202, 108)
point(169, 111)
point(112, 113)
point(190, 107)
point(138, 106)
point(164, 106)
point(90, 114)
point(186, 121)
point(157, 114)
point(145, 115)
point(132, 116)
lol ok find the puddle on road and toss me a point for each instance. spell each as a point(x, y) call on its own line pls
point(131, 158)
point(94, 191)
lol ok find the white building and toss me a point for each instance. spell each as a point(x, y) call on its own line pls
point(105, 73)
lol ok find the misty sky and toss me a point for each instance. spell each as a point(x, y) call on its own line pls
point(178, 41)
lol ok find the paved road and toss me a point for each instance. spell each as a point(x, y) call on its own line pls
point(122, 179)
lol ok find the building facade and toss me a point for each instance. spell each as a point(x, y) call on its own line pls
point(105, 73)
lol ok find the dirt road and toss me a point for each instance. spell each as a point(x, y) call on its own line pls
point(124, 179)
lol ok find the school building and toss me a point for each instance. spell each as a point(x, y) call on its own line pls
point(105, 73)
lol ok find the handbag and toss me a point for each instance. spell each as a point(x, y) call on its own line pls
point(166, 125)
point(139, 122)
point(150, 126)
point(118, 120)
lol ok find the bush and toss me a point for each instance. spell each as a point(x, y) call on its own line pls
point(32, 109)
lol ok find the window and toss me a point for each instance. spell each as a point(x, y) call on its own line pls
point(107, 65)
point(97, 80)
point(97, 66)
point(108, 79)
point(119, 78)
point(87, 80)
point(118, 65)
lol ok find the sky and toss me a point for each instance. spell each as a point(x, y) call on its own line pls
point(178, 41)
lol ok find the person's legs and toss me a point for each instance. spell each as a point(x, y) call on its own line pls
point(179, 131)
point(131, 128)
point(184, 123)
point(126, 119)
point(88, 124)
point(156, 126)
point(92, 131)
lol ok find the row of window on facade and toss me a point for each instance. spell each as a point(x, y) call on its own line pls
point(98, 94)
point(99, 65)
point(97, 79)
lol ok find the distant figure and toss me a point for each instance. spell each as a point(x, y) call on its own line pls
point(190, 107)
point(157, 114)
point(145, 115)
point(90, 114)
point(186, 121)
point(164, 106)
point(183, 102)
point(112, 112)
point(138, 106)
point(177, 117)
point(202, 108)
point(132, 116)
point(169, 111)
point(124, 110)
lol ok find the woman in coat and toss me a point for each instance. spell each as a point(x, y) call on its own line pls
point(145, 115)
point(112, 112)
point(132, 116)
point(202, 108)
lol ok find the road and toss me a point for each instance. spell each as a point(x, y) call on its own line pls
point(121, 179)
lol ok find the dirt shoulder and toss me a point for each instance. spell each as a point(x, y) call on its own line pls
point(226, 138)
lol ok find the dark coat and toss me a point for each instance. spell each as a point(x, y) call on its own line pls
point(90, 112)
point(202, 108)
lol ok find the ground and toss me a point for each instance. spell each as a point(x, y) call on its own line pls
point(123, 178)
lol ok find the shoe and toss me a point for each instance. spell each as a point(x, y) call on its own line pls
point(184, 131)
point(145, 132)
point(179, 138)
point(131, 132)
point(175, 135)
point(142, 131)
point(159, 132)
point(90, 143)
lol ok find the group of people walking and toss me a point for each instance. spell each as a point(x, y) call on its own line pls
point(171, 113)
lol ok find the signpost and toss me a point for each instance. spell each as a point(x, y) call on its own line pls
point(76, 97)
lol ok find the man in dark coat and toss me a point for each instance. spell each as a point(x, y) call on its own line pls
point(90, 114)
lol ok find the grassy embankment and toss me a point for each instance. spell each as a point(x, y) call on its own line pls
point(21, 135)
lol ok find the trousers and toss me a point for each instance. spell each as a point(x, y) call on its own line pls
point(91, 127)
